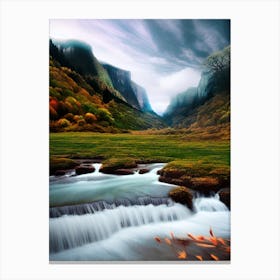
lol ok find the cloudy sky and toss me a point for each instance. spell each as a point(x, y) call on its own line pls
point(164, 56)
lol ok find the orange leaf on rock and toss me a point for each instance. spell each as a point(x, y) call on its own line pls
point(222, 241)
point(182, 254)
point(157, 239)
point(205, 245)
point(211, 232)
point(192, 237)
point(168, 241)
point(214, 240)
point(199, 258)
point(200, 237)
point(214, 257)
point(227, 249)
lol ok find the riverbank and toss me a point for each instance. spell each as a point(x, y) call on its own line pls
point(202, 166)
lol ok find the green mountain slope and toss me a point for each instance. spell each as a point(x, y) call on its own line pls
point(206, 107)
point(78, 56)
point(78, 103)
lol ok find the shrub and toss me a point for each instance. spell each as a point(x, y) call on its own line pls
point(53, 103)
point(61, 108)
point(81, 122)
point(104, 115)
point(90, 107)
point(90, 118)
point(73, 105)
point(63, 122)
point(69, 117)
point(77, 118)
point(53, 113)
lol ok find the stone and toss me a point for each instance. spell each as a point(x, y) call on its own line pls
point(182, 195)
point(60, 172)
point(84, 169)
point(224, 195)
point(123, 171)
point(205, 184)
point(143, 170)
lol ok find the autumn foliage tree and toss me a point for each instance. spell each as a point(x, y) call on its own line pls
point(219, 61)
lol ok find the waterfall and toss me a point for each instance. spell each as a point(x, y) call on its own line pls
point(72, 231)
point(93, 207)
point(99, 216)
point(209, 204)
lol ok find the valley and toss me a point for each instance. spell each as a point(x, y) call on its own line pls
point(126, 183)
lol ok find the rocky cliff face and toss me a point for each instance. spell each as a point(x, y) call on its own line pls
point(84, 98)
point(121, 80)
point(142, 97)
point(188, 107)
point(80, 56)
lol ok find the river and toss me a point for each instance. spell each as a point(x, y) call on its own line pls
point(100, 217)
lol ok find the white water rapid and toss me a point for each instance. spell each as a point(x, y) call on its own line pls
point(128, 213)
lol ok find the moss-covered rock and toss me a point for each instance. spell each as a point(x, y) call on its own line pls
point(182, 195)
point(205, 184)
point(199, 176)
point(110, 166)
point(59, 163)
point(123, 171)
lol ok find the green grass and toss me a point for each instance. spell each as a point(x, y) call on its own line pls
point(142, 147)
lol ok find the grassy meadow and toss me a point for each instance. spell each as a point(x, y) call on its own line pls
point(122, 148)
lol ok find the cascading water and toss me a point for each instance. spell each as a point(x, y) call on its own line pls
point(127, 212)
point(72, 231)
point(210, 204)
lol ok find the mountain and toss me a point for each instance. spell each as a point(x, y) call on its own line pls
point(208, 104)
point(83, 97)
point(79, 57)
point(181, 104)
point(142, 97)
point(132, 92)
point(121, 80)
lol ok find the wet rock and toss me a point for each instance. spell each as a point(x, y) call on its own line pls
point(143, 170)
point(123, 171)
point(224, 195)
point(160, 172)
point(204, 184)
point(84, 169)
point(182, 195)
point(60, 172)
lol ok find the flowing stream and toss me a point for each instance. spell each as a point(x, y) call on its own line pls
point(99, 217)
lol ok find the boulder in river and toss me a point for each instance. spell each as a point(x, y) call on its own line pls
point(144, 170)
point(84, 169)
point(204, 184)
point(60, 172)
point(113, 165)
point(224, 195)
point(182, 195)
point(123, 171)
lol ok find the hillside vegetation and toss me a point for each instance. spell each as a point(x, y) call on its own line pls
point(89, 102)
point(204, 111)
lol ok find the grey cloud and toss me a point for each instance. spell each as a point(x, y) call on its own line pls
point(152, 49)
